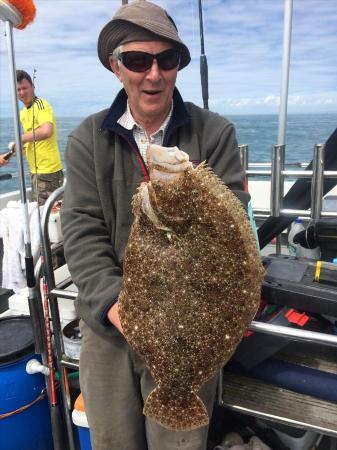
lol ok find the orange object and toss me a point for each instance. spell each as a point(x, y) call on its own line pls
point(27, 10)
point(79, 403)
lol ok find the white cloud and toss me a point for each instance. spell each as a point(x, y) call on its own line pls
point(271, 100)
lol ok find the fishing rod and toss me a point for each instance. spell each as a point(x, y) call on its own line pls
point(49, 357)
point(18, 14)
point(203, 61)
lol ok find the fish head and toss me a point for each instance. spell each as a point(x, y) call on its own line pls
point(166, 164)
point(169, 187)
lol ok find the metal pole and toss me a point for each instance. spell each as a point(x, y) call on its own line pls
point(12, 80)
point(243, 149)
point(29, 262)
point(317, 181)
point(288, 8)
point(276, 193)
point(203, 61)
point(314, 337)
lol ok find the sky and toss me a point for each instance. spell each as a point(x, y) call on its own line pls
point(243, 45)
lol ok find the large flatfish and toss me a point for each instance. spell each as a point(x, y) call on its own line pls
point(191, 284)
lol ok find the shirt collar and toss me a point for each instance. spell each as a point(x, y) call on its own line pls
point(128, 122)
point(117, 109)
point(34, 100)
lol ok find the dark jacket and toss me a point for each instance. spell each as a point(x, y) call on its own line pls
point(104, 169)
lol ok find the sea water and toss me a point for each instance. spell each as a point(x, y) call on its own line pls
point(258, 131)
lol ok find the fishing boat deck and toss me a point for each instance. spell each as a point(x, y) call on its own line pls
point(264, 400)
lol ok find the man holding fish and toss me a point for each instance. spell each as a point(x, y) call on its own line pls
point(106, 163)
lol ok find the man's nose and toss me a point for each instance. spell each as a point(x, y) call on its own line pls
point(154, 73)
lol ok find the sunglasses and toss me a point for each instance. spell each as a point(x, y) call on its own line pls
point(137, 61)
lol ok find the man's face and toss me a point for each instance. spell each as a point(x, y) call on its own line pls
point(150, 92)
point(25, 92)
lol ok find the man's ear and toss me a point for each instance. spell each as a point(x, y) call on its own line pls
point(115, 67)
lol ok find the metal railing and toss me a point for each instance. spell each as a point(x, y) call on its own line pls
point(278, 173)
point(55, 315)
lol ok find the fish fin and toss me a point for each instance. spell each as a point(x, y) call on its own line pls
point(176, 414)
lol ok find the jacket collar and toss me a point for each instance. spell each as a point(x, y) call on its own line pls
point(180, 115)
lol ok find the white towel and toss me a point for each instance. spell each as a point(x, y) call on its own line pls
point(12, 226)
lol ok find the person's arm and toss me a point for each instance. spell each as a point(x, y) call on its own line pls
point(44, 131)
point(88, 243)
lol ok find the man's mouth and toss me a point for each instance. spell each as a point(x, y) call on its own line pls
point(151, 92)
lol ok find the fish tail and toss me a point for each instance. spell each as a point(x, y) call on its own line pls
point(179, 414)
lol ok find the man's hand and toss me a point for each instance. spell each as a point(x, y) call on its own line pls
point(3, 161)
point(114, 317)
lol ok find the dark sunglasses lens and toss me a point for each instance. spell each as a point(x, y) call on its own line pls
point(142, 61)
point(169, 59)
point(137, 61)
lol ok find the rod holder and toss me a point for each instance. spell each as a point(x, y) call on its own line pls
point(317, 181)
point(244, 156)
point(276, 192)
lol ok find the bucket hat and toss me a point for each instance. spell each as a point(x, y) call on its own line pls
point(139, 21)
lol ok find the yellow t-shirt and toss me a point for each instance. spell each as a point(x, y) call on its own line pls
point(48, 159)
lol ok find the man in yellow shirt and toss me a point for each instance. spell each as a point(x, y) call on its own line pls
point(39, 140)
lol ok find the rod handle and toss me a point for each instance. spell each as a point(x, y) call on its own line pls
point(36, 314)
point(57, 428)
point(204, 79)
point(9, 154)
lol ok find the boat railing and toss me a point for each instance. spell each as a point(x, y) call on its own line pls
point(55, 315)
point(278, 173)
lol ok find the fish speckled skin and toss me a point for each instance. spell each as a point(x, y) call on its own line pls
point(191, 287)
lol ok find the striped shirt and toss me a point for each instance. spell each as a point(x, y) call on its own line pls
point(142, 139)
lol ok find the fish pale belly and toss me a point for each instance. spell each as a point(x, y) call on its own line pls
point(188, 296)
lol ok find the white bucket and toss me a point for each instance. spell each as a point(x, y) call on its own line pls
point(72, 339)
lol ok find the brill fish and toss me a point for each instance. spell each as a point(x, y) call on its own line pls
point(191, 284)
